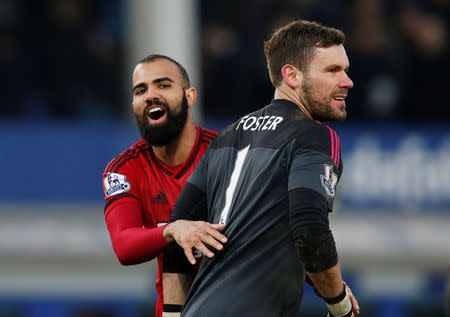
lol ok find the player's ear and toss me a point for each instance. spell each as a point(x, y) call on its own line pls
point(191, 95)
point(292, 77)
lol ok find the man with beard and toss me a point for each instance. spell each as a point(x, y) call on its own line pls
point(271, 179)
point(143, 182)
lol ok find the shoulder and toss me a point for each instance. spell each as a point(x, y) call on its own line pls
point(313, 135)
point(128, 157)
point(207, 135)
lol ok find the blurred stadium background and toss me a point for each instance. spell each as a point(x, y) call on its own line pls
point(65, 82)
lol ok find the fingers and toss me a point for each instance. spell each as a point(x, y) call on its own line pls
point(213, 231)
point(217, 226)
point(353, 300)
point(200, 245)
point(189, 255)
point(211, 241)
point(199, 235)
point(205, 233)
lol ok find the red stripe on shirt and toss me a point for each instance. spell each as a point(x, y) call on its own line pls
point(335, 147)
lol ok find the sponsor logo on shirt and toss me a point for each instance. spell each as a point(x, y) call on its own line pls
point(115, 184)
point(329, 180)
point(259, 123)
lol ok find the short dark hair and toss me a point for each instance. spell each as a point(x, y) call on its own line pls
point(154, 57)
point(295, 44)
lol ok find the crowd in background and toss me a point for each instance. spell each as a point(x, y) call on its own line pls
point(60, 59)
point(64, 58)
point(398, 53)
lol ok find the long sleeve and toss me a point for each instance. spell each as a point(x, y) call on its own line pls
point(131, 241)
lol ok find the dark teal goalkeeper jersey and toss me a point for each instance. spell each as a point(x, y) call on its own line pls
point(244, 179)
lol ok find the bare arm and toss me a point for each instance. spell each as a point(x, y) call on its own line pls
point(176, 287)
point(329, 285)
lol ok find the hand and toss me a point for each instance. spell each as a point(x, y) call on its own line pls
point(340, 309)
point(195, 234)
point(355, 304)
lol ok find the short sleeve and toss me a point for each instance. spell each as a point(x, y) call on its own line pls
point(316, 162)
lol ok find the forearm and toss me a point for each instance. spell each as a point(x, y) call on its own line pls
point(317, 250)
point(177, 278)
point(138, 245)
point(176, 287)
point(132, 242)
point(328, 283)
point(338, 297)
point(311, 231)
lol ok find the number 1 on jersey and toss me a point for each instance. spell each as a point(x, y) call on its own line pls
point(240, 158)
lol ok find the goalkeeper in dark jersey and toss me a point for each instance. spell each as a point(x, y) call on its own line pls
point(270, 179)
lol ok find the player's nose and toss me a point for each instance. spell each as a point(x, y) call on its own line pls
point(152, 94)
point(346, 82)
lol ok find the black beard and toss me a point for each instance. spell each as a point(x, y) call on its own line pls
point(168, 132)
point(320, 111)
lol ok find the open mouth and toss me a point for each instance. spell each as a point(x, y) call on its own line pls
point(340, 98)
point(156, 114)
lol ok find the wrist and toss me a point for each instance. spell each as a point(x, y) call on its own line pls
point(171, 310)
point(168, 232)
point(341, 305)
point(167, 314)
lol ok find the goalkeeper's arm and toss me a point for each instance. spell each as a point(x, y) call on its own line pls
point(343, 304)
point(315, 243)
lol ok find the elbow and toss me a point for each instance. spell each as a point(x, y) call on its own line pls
point(123, 253)
point(317, 251)
point(129, 255)
point(124, 260)
point(123, 257)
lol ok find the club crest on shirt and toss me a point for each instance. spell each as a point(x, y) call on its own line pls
point(329, 180)
point(115, 184)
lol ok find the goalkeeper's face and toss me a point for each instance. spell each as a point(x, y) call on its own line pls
point(160, 104)
point(326, 84)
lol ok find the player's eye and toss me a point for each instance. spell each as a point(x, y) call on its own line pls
point(139, 91)
point(164, 85)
